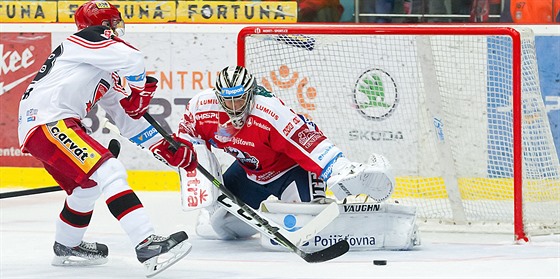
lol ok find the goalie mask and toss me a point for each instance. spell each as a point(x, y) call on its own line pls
point(99, 13)
point(235, 89)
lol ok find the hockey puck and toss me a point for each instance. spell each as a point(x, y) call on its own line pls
point(380, 262)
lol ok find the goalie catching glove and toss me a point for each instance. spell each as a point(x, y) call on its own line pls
point(136, 104)
point(374, 179)
point(184, 157)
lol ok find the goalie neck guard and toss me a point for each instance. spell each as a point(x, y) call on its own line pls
point(235, 89)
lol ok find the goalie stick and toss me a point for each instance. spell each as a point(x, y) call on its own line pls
point(114, 147)
point(254, 219)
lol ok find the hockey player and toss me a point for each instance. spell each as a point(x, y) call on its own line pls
point(277, 152)
point(85, 70)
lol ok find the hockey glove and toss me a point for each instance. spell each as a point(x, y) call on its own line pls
point(136, 104)
point(374, 179)
point(184, 157)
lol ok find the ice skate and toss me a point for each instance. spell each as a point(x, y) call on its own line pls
point(84, 254)
point(157, 253)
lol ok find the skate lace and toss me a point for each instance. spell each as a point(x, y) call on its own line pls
point(88, 246)
point(157, 238)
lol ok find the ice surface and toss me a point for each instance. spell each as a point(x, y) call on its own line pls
point(27, 232)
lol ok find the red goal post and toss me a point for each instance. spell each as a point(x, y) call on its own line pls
point(456, 109)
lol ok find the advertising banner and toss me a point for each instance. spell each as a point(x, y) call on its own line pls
point(237, 12)
point(131, 11)
point(28, 11)
point(22, 56)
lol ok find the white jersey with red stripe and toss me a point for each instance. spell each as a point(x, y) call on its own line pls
point(273, 140)
point(85, 69)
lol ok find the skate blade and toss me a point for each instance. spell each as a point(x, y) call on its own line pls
point(77, 261)
point(154, 267)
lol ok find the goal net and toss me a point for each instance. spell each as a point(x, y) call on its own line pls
point(457, 111)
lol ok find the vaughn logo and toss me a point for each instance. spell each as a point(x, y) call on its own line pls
point(361, 207)
point(375, 95)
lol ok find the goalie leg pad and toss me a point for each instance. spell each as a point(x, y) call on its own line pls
point(196, 190)
point(366, 226)
point(228, 227)
point(217, 223)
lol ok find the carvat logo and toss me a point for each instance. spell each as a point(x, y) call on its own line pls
point(79, 152)
point(375, 95)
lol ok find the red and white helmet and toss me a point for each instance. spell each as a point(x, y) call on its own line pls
point(99, 13)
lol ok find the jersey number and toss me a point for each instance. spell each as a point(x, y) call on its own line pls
point(47, 66)
point(45, 69)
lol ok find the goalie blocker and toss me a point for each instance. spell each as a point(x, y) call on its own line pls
point(366, 226)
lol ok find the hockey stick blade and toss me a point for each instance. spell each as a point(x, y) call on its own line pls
point(114, 147)
point(256, 221)
point(334, 251)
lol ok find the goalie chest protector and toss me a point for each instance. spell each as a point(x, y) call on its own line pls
point(366, 226)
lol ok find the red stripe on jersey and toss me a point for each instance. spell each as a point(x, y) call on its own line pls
point(139, 88)
point(117, 85)
point(122, 41)
point(92, 45)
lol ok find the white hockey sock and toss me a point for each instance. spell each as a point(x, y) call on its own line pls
point(73, 221)
point(137, 225)
point(122, 201)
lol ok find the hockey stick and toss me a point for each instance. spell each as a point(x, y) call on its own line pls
point(29, 192)
point(114, 147)
point(254, 219)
